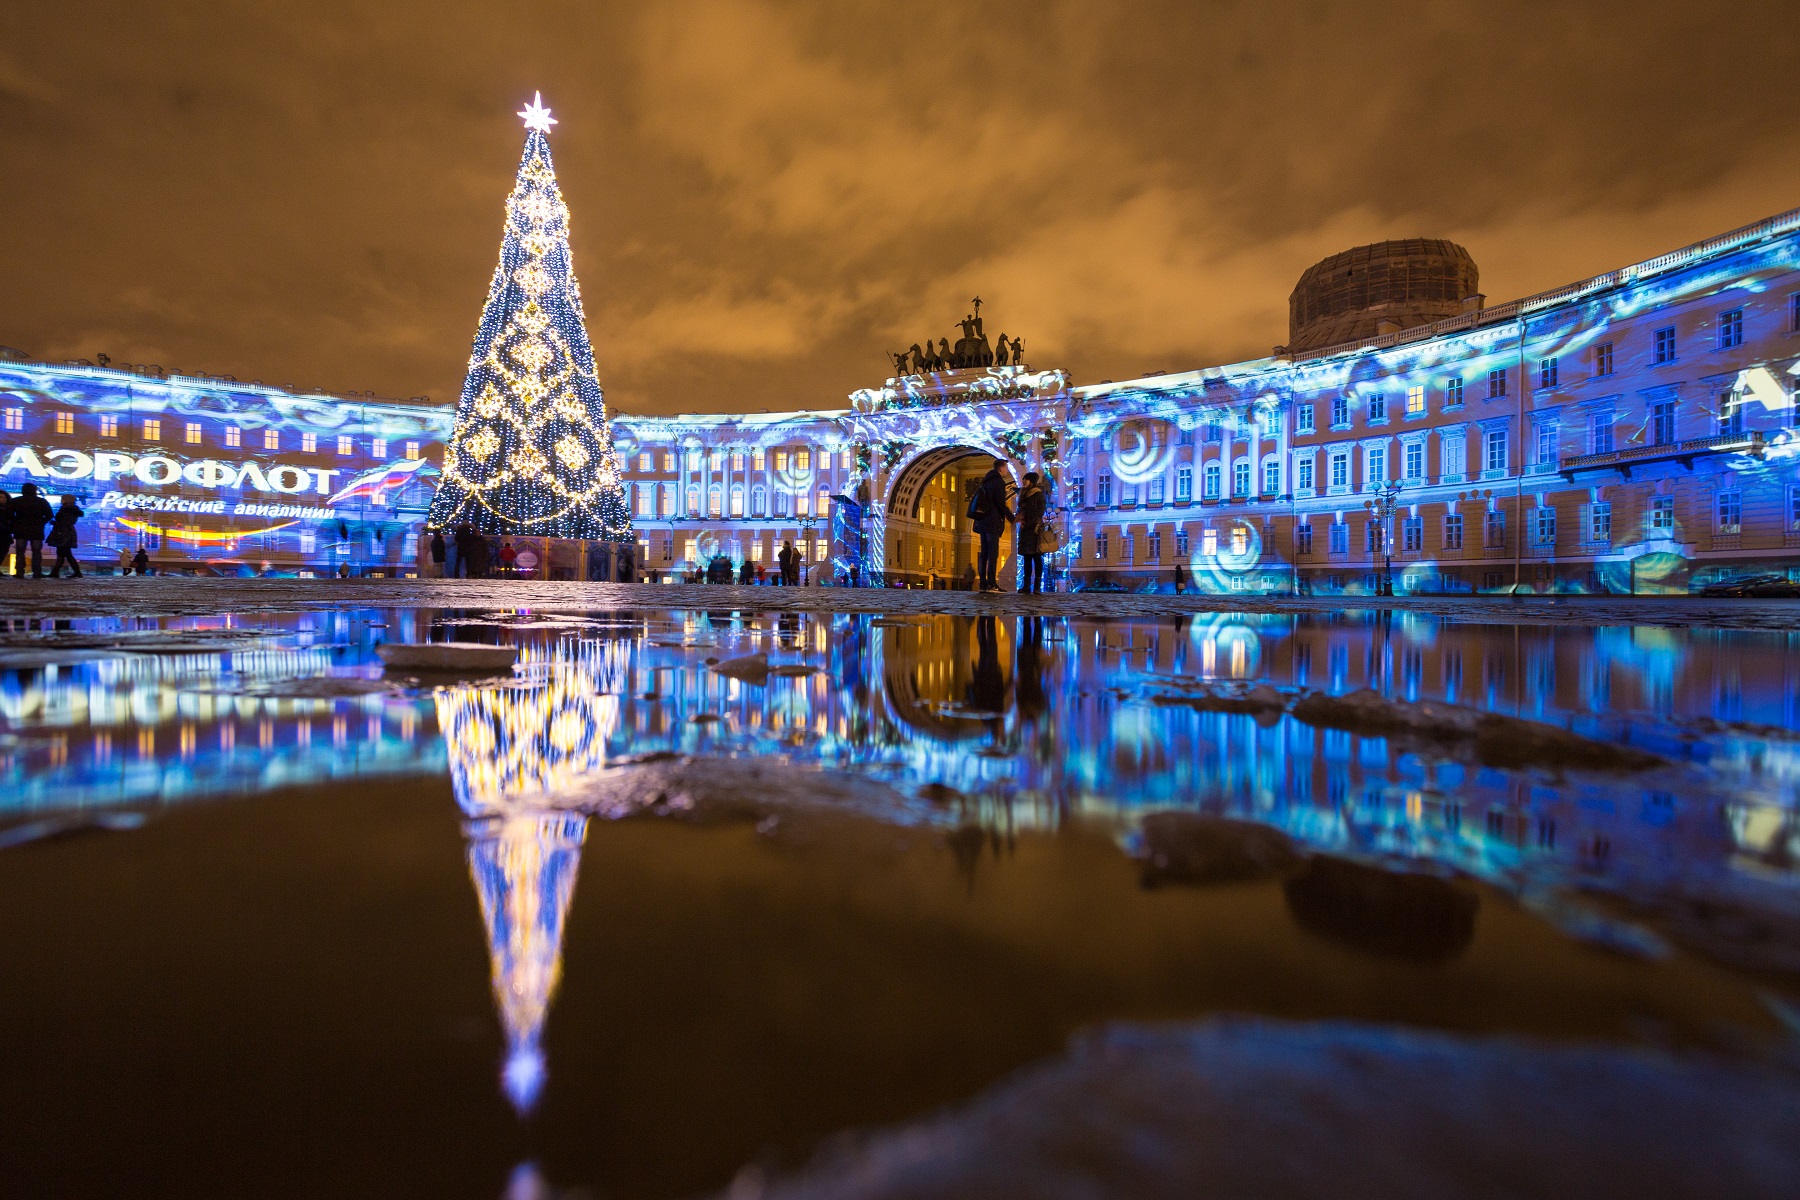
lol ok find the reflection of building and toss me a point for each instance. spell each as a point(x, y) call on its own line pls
point(212, 474)
point(1631, 431)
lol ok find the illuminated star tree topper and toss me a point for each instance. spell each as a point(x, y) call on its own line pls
point(532, 452)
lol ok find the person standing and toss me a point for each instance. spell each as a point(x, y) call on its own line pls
point(30, 513)
point(6, 501)
point(62, 536)
point(439, 551)
point(476, 553)
point(508, 556)
point(789, 559)
point(141, 560)
point(1032, 504)
point(991, 515)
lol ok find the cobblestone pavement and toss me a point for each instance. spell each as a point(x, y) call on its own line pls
point(170, 595)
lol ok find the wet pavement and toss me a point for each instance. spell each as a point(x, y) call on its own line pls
point(1015, 895)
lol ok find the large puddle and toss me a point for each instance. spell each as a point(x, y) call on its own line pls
point(623, 922)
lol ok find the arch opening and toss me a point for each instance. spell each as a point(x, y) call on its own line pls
point(929, 539)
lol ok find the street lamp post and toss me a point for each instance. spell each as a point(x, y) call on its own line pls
point(1382, 507)
point(807, 524)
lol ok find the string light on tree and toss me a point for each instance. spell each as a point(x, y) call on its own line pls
point(532, 452)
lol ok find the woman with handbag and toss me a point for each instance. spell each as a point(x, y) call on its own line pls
point(1032, 505)
point(62, 536)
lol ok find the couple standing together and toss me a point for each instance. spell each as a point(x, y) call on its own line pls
point(991, 513)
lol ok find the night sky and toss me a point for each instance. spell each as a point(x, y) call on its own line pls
point(767, 197)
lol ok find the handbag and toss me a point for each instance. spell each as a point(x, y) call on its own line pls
point(1049, 539)
point(975, 504)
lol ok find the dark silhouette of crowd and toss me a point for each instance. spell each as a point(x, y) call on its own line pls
point(28, 524)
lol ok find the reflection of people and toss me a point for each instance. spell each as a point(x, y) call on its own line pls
point(1032, 503)
point(987, 691)
point(1029, 690)
point(62, 536)
point(968, 577)
point(991, 516)
point(30, 513)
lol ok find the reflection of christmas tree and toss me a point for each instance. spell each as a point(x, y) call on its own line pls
point(532, 452)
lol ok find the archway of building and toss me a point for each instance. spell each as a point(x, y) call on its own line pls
point(930, 540)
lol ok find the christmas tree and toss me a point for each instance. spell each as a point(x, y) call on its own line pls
point(532, 453)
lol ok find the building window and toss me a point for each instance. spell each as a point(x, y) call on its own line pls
point(1340, 412)
point(1546, 443)
point(1731, 328)
point(1731, 512)
point(802, 503)
point(1731, 414)
point(645, 461)
point(377, 449)
point(191, 434)
point(1415, 401)
point(823, 502)
point(1100, 545)
point(1377, 409)
point(1181, 544)
point(346, 446)
point(1662, 421)
point(1603, 359)
point(1240, 540)
point(759, 500)
point(1546, 525)
point(645, 499)
point(1497, 383)
point(1794, 313)
point(1303, 474)
point(1600, 434)
point(1209, 543)
point(1103, 490)
point(1303, 419)
point(1412, 535)
point(1374, 537)
point(1547, 373)
point(1184, 483)
point(781, 460)
point(1453, 392)
point(1454, 455)
point(1240, 477)
point(1496, 450)
point(1302, 539)
point(1340, 469)
point(412, 450)
point(1214, 433)
point(1271, 477)
point(1494, 528)
point(1664, 347)
point(803, 460)
point(1375, 466)
point(1415, 461)
point(737, 499)
point(668, 461)
point(152, 429)
point(109, 426)
point(1209, 481)
point(1662, 514)
point(309, 541)
point(1453, 531)
point(309, 442)
point(1600, 523)
point(65, 422)
point(1339, 538)
point(1155, 545)
point(1077, 493)
point(1156, 490)
point(1793, 508)
point(693, 501)
point(271, 439)
point(1184, 437)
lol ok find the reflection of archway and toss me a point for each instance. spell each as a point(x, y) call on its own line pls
point(925, 514)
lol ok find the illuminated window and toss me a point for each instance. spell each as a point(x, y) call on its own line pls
point(821, 550)
point(737, 460)
point(346, 445)
point(412, 450)
point(1662, 513)
point(668, 460)
point(1497, 383)
point(1184, 483)
point(1340, 412)
point(1731, 414)
point(1209, 542)
point(309, 442)
point(1599, 522)
point(1496, 450)
point(1240, 540)
point(1547, 373)
point(715, 501)
point(803, 460)
point(802, 504)
point(693, 458)
point(193, 433)
point(1663, 348)
point(1378, 409)
point(1453, 392)
point(1415, 461)
point(756, 551)
point(271, 439)
point(152, 430)
point(65, 422)
point(668, 501)
point(781, 460)
point(109, 426)
point(1731, 328)
point(824, 502)
point(1453, 531)
point(1303, 419)
point(1303, 474)
point(693, 501)
point(1302, 539)
point(645, 499)
point(1603, 359)
point(758, 460)
point(1415, 401)
point(737, 500)
point(1338, 539)
point(377, 448)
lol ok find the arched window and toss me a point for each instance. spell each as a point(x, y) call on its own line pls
point(693, 501)
point(781, 503)
point(1184, 481)
point(715, 501)
point(824, 501)
point(1210, 481)
point(1271, 476)
point(668, 499)
point(1240, 477)
point(759, 501)
point(737, 499)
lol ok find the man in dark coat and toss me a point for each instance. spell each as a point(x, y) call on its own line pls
point(991, 516)
point(30, 513)
point(789, 559)
point(5, 528)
